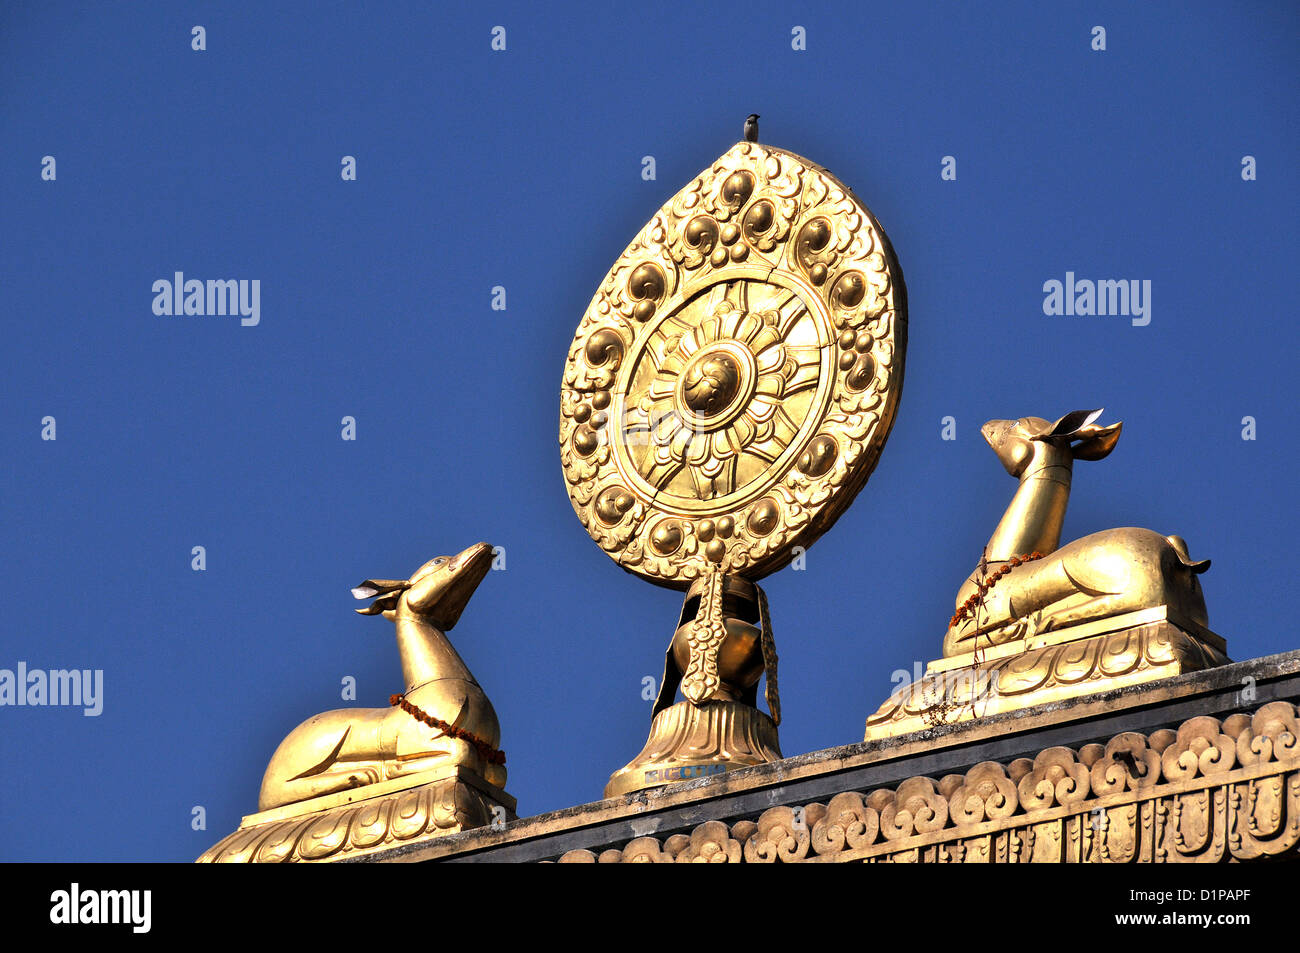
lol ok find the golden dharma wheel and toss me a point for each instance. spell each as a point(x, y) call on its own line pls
point(736, 375)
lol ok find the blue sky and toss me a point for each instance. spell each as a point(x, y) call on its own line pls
point(522, 169)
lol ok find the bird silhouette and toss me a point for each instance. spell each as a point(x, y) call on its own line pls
point(751, 128)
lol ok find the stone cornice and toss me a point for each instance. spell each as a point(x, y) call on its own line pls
point(1209, 791)
point(819, 777)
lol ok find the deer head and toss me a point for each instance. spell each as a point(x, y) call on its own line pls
point(1073, 437)
point(438, 591)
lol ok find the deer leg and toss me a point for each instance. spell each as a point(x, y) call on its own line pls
point(329, 752)
point(348, 775)
point(1098, 607)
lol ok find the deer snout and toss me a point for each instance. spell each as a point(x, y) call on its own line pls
point(1010, 444)
point(995, 430)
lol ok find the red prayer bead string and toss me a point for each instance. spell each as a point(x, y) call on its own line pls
point(490, 754)
point(987, 583)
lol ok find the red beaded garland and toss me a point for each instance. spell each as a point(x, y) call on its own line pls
point(991, 580)
point(490, 754)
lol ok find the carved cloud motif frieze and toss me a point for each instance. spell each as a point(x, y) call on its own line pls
point(1210, 791)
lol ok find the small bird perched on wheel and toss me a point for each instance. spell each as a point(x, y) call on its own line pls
point(751, 128)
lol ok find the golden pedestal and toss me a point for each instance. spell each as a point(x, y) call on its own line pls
point(367, 819)
point(690, 741)
point(1116, 652)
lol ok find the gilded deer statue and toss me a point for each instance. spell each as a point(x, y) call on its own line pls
point(444, 718)
point(1026, 585)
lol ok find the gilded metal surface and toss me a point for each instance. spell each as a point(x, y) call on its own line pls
point(1084, 630)
point(1116, 608)
point(355, 747)
point(733, 381)
point(370, 819)
point(689, 741)
point(727, 393)
point(1105, 574)
point(725, 632)
point(704, 639)
point(1211, 791)
point(722, 646)
point(1040, 675)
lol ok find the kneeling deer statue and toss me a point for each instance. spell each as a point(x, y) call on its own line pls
point(444, 718)
point(1025, 585)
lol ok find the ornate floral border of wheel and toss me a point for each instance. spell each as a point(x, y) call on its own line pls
point(736, 375)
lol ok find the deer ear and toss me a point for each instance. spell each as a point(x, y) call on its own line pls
point(378, 587)
point(1097, 442)
point(1071, 423)
point(382, 604)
